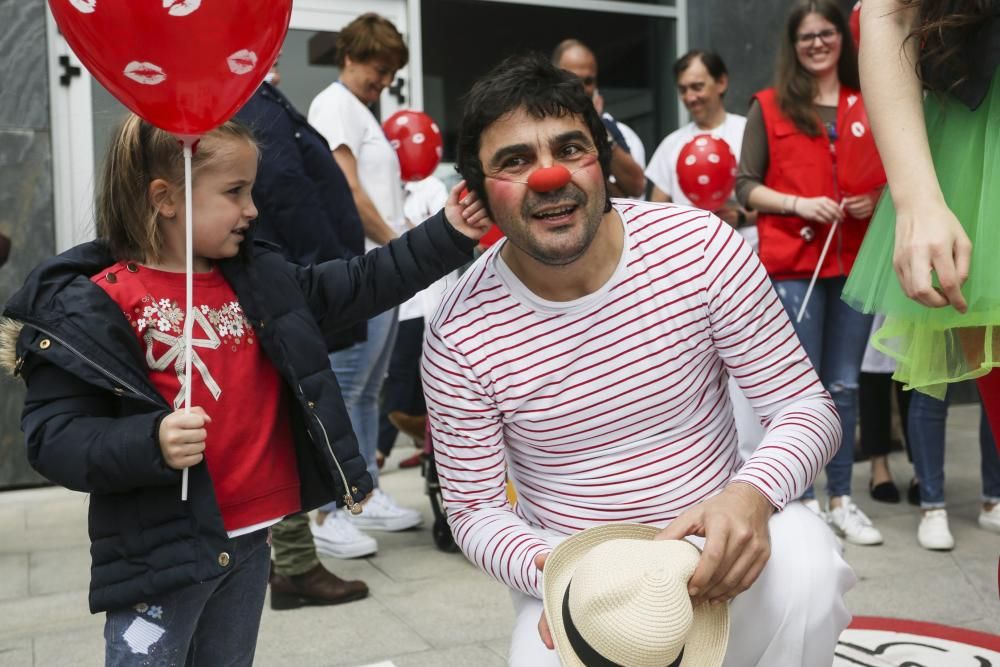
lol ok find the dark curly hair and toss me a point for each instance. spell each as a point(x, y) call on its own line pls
point(945, 30)
point(532, 83)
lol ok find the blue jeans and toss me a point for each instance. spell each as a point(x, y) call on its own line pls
point(214, 622)
point(360, 371)
point(834, 336)
point(927, 441)
point(402, 390)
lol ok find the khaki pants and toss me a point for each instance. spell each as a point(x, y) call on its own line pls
point(292, 545)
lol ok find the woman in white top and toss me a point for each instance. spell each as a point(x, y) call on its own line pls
point(369, 52)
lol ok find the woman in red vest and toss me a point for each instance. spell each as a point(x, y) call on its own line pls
point(789, 173)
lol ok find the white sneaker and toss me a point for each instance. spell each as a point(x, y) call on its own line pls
point(338, 537)
point(813, 506)
point(990, 519)
point(851, 523)
point(382, 513)
point(933, 532)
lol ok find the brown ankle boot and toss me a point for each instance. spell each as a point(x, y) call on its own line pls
point(318, 586)
point(412, 425)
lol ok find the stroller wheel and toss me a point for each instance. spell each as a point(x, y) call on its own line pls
point(442, 536)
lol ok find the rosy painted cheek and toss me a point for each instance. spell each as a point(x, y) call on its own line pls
point(504, 194)
point(588, 176)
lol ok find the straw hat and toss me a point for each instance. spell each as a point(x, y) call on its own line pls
point(614, 596)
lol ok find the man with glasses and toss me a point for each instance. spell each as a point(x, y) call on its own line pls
point(628, 155)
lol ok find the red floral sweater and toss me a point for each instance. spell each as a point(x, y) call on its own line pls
point(249, 450)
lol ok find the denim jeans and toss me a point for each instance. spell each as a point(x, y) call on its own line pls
point(834, 337)
point(927, 440)
point(402, 390)
point(360, 371)
point(212, 623)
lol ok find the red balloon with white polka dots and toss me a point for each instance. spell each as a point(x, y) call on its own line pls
point(706, 171)
point(417, 141)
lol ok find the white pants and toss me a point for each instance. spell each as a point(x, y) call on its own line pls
point(791, 616)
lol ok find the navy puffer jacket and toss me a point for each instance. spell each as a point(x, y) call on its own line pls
point(91, 416)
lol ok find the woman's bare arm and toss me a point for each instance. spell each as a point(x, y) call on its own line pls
point(928, 236)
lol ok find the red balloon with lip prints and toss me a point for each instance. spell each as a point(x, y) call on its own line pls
point(185, 66)
point(859, 167)
point(417, 141)
point(547, 179)
point(706, 171)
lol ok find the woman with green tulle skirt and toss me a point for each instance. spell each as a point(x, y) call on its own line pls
point(931, 257)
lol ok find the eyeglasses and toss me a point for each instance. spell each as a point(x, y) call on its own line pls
point(825, 36)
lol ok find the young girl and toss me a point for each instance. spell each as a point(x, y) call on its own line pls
point(98, 338)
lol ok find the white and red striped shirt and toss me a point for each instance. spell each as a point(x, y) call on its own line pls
point(613, 407)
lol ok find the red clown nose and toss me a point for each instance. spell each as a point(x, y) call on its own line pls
point(548, 179)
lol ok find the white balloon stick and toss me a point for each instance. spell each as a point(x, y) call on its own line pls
point(189, 295)
point(819, 266)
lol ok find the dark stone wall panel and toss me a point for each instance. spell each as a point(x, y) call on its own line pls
point(746, 34)
point(26, 216)
point(24, 93)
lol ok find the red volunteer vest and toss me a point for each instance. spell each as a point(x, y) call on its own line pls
point(807, 167)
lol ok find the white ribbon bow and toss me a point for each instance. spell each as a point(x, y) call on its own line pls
point(176, 355)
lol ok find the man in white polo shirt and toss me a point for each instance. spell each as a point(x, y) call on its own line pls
point(702, 80)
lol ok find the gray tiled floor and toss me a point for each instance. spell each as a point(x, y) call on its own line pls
point(430, 608)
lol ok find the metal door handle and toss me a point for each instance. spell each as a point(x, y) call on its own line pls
point(69, 71)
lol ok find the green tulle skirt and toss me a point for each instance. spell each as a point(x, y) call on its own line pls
point(935, 346)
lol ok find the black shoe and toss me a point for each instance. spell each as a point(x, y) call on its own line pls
point(884, 492)
point(913, 493)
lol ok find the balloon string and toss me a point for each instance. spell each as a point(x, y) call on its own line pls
point(188, 295)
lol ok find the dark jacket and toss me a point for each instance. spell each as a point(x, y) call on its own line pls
point(91, 415)
point(303, 199)
point(304, 202)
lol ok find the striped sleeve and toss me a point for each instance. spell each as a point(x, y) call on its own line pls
point(469, 454)
point(755, 339)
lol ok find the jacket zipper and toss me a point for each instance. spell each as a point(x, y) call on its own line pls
point(354, 507)
point(95, 365)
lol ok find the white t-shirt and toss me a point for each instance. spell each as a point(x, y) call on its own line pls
point(343, 120)
point(422, 200)
point(662, 168)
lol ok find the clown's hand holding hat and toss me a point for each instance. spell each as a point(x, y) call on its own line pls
point(629, 594)
point(614, 595)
